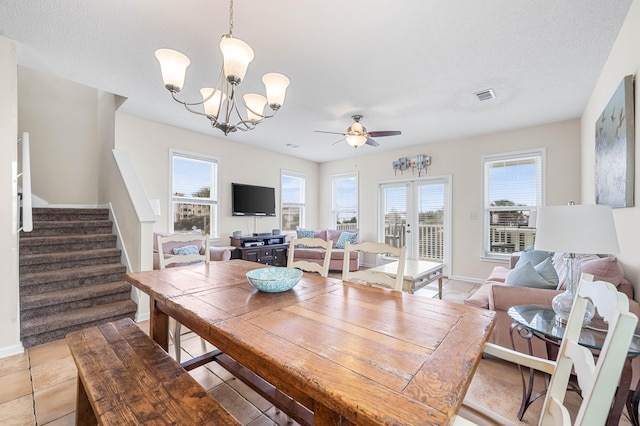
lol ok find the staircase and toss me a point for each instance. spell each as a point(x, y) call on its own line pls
point(70, 275)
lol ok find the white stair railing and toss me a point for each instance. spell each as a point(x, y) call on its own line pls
point(26, 222)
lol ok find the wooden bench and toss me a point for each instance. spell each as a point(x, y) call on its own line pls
point(126, 378)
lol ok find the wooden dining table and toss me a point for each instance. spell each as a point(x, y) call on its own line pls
point(349, 353)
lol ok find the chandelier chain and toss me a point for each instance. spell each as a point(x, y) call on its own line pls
point(231, 18)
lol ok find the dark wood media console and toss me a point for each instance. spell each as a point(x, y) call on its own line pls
point(266, 249)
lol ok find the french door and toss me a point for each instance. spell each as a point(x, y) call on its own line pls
point(416, 214)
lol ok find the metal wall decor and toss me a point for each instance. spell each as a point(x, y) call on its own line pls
point(418, 163)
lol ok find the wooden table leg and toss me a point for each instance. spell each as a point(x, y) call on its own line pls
point(440, 287)
point(84, 411)
point(159, 325)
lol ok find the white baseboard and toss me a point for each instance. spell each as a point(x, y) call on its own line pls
point(11, 350)
point(468, 279)
point(144, 316)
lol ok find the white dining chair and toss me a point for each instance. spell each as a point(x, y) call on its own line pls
point(373, 277)
point(597, 378)
point(183, 253)
point(305, 265)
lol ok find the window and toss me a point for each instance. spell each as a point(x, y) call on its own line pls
point(344, 211)
point(292, 204)
point(194, 194)
point(512, 192)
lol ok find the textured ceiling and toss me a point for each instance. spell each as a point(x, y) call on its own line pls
point(413, 68)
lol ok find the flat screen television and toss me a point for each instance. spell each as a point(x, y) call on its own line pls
point(252, 200)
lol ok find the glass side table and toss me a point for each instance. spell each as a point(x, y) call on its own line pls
point(531, 321)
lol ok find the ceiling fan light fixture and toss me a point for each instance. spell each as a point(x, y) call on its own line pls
point(356, 140)
point(356, 128)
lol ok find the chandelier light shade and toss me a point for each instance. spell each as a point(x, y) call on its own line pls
point(222, 103)
point(276, 85)
point(255, 106)
point(173, 66)
point(236, 55)
point(212, 99)
point(575, 229)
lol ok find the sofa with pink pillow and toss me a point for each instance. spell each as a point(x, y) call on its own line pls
point(317, 255)
point(499, 293)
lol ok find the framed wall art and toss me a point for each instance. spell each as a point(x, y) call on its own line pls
point(615, 148)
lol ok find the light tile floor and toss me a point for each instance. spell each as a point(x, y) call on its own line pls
point(39, 386)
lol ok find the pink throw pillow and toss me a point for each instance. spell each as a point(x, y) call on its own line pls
point(604, 269)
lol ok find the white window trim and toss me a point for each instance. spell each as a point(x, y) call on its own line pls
point(195, 156)
point(334, 211)
point(303, 205)
point(542, 152)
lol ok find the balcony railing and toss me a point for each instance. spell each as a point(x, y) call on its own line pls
point(346, 226)
point(508, 239)
point(430, 239)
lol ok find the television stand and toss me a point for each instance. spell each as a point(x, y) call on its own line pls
point(267, 249)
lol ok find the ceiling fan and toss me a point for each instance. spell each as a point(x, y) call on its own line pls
point(357, 135)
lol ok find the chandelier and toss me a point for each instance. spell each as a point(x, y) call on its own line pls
point(222, 103)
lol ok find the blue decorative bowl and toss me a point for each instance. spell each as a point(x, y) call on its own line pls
point(274, 280)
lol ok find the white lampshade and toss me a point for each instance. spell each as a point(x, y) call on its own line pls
point(276, 85)
point(576, 229)
point(356, 140)
point(212, 105)
point(173, 66)
point(255, 106)
point(236, 55)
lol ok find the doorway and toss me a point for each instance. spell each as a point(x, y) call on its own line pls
point(416, 213)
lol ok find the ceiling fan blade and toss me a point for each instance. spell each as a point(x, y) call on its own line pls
point(331, 133)
point(385, 133)
point(372, 142)
point(338, 141)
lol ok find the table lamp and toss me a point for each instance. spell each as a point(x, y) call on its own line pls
point(574, 229)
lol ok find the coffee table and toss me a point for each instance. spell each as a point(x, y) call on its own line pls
point(417, 274)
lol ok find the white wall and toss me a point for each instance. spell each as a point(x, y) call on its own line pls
point(9, 314)
point(623, 60)
point(462, 159)
point(148, 144)
point(62, 119)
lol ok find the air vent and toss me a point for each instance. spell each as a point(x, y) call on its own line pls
point(485, 95)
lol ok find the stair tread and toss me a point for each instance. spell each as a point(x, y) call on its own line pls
point(70, 223)
point(74, 318)
point(63, 255)
point(73, 294)
point(70, 210)
point(72, 272)
point(65, 239)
